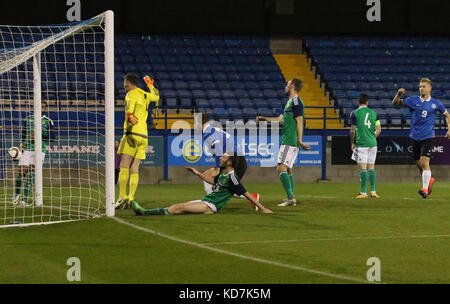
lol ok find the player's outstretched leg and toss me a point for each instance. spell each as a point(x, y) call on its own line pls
point(155, 211)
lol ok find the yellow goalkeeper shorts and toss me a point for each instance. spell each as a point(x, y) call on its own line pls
point(133, 145)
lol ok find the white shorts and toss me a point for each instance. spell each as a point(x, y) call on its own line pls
point(27, 158)
point(365, 155)
point(287, 155)
point(210, 205)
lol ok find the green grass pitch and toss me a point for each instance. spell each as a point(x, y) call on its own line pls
point(327, 238)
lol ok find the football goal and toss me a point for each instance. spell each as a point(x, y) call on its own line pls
point(57, 107)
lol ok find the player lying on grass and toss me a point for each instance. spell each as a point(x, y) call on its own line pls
point(227, 184)
point(218, 141)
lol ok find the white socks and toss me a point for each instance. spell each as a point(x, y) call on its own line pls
point(426, 176)
point(208, 187)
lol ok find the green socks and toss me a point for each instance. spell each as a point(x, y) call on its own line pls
point(18, 184)
point(363, 180)
point(157, 211)
point(286, 182)
point(29, 186)
point(291, 177)
point(372, 178)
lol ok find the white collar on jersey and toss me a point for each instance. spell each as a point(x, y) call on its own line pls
point(422, 100)
point(225, 174)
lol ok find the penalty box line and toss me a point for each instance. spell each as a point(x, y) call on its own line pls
point(241, 256)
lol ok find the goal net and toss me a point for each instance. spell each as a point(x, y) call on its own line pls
point(57, 106)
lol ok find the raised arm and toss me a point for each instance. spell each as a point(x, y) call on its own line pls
point(258, 204)
point(208, 179)
point(397, 101)
point(275, 119)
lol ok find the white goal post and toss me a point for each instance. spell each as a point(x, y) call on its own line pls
point(57, 104)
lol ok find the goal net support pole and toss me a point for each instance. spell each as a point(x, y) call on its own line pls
point(109, 112)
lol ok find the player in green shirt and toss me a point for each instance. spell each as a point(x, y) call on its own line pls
point(291, 138)
point(365, 128)
point(27, 161)
point(227, 183)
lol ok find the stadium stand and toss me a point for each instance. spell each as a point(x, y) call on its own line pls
point(378, 67)
point(223, 76)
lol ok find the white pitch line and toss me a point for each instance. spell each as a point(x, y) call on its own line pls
point(333, 239)
point(389, 198)
point(241, 256)
point(51, 222)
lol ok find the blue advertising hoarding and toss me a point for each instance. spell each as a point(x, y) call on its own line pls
point(261, 151)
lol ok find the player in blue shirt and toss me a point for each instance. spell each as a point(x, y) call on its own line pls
point(423, 114)
point(217, 142)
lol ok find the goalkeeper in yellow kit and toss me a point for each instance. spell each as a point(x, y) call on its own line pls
point(134, 142)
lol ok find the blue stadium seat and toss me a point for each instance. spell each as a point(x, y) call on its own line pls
point(221, 113)
point(172, 103)
point(264, 111)
point(246, 103)
point(262, 103)
point(199, 94)
point(250, 113)
point(202, 103)
point(186, 103)
point(239, 94)
point(235, 112)
point(184, 93)
point(194, 84)
point(231, 103)
point(228, 94)
point(223, 85)
point(237, 85)
point(165, 85)
point(217, 103)
point(270, 94)
point(209, 85)
point(181, 85)
point(256, 93)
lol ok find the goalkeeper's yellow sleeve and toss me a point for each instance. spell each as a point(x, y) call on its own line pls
point(153, 96)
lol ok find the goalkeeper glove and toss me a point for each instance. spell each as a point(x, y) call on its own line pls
point(149, 81)
point(132, 120)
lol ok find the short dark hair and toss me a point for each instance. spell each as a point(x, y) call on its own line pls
point(363, 99)
point(298, 84)
point(132, 78)
point(205, 118)
point(44, 103)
